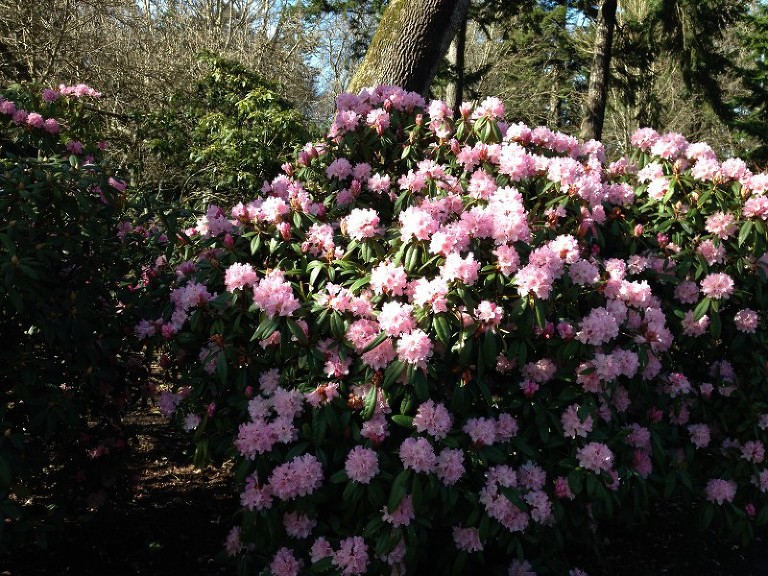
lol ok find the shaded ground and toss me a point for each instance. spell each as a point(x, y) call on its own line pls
point(175, 522)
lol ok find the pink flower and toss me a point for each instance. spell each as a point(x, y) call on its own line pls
point(458, 268)
point(362, 223)
point(521, 568)
point(298, 525)
point(719, 491)
point(746, 320)
point(402, 515)
point(467, 539)
point(396, 318)
point(298, 477)
point(415, 348)
point(753, 451)
point(340, 168)
point(233, 544)
point(598, 327)
point(596, 457)
point(434, 419)
point(482, 431)
point(717, 286)
point(700, 436)
point(352, 556)
point(285, 563)
point(388, 278)
point(573, 424)
point(362, 464)
point(239, 276)
point(274, 295)
point(450, 466)
point(418, 455)
point(721, 225)
point(321, 548)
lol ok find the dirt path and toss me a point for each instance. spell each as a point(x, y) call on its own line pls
point(173, 523)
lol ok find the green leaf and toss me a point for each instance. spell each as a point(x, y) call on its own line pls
point(392, 373)
point(397, 493)
point(297, 332)
point(744, 232)
point(442, 328)
point(403, 420)
point(701, 309)
point(370, 403)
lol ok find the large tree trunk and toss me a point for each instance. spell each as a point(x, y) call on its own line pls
point(597, 93)
point(412, 38)
point(454, 91)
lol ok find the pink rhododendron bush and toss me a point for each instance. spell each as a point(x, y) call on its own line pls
point(441, 345)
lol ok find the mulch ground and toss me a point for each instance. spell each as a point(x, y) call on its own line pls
point(174, 523)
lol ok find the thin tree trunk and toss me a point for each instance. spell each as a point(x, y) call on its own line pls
point(454, 91)
point(597, 93)
point(412, 38)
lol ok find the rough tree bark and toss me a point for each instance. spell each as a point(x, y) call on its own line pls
point(597, 93)
point(411, 39)
point(454, 91)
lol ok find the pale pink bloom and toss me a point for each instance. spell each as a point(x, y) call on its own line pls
point(700, 436)
point(562, 489)
point(418, 455)
point(541, 371)
point(378, 119)
point(719, 491)
point(753, 451)
point(721, 225)
point(540, 506)
point(756, 207)
point(298, 477)
point(321, 548)
point(239, 276)
point(598, 327)
point(434, 419)
point(396, 318)
point(746, 320)
point(712, 253)
point(362, 223)
point(412, 181)
point(499, 507)
point(352, 556)
point(531, 476)
point(481, 185)
point(492, 107)
point(233, 545)
point(285, 563)
point(323, 394)
point(584, 273)
point(414, 348)
point(449, 466)
point(509, 260)
point(650, 171)
point(481, 430)
point(415, 222)
point(340, 168)
point(298, 525)
point(575, 425)
point(687, 292)
point(430, 293)
point(388, 278)
point(274, 295)
point(402, 515)
point(362, 464)
point(467, 539)
point(191, 421)
point(319, 240)
point(670, 146)
point(380, 357)
point(458, 268)
point(658, 188)
point(489, 313)
point(717, 286)
point(506, 427)
point(596, 457)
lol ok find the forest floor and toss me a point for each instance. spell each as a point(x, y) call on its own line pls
point(175, 521)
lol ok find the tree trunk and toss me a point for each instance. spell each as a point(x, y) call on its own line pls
point(454, 91)
point(597, 93)
point(412, 38)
